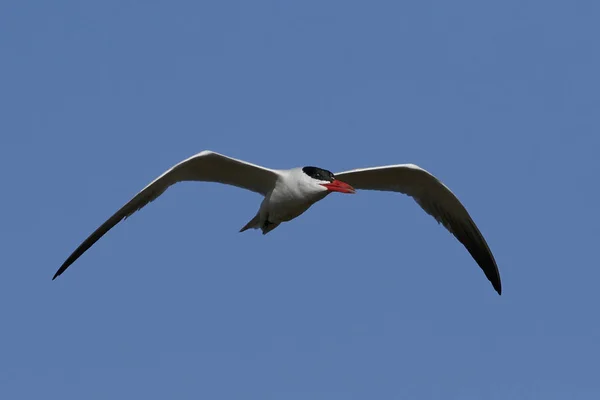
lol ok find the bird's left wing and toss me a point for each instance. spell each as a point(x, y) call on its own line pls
point(436, 200)
point(205, 166)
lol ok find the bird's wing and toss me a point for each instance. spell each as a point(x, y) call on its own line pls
point(436, 199)
point(205, 166)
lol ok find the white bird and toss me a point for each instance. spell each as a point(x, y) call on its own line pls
point(289, 193)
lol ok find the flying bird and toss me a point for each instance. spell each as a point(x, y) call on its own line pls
point(289, 193)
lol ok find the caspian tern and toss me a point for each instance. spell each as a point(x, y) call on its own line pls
point(289, 193)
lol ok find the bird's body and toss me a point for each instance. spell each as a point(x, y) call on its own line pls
point(292, 195)
point(289, 193)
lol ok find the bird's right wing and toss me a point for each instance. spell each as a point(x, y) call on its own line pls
point(436, 199)
point(205, 166)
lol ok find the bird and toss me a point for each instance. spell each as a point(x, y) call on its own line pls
point(288, 193)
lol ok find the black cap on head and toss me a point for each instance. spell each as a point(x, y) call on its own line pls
point(319, 173)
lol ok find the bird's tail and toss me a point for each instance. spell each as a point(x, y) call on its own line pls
point(253, 224)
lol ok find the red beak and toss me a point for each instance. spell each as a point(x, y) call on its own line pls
point(339, 186)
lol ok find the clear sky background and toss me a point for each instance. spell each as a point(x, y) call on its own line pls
point(362, 297)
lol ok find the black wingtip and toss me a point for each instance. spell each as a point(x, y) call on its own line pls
point(497, 287)
point(58, 273)
point(63, 268)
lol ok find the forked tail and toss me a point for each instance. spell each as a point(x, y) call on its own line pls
point(253, 224)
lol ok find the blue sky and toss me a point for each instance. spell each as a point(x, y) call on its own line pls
point(498, 99)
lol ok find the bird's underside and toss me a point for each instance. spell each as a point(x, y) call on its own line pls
point(289, 193)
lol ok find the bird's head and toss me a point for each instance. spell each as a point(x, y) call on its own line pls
point(326, 180)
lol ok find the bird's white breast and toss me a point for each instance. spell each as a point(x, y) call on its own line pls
point(292, 195)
